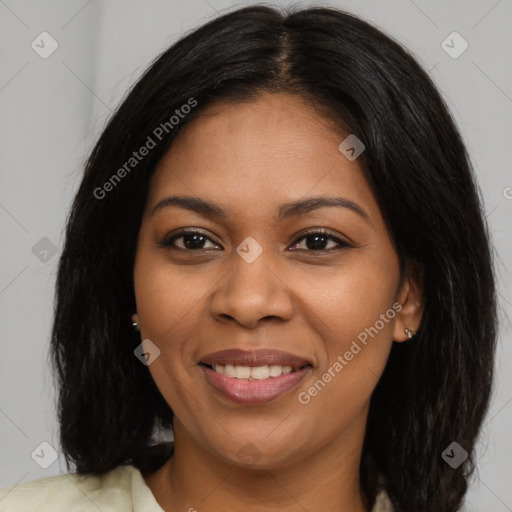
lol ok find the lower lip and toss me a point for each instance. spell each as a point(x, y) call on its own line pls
point(251, 392)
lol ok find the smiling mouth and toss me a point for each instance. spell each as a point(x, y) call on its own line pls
point(254, 385)
point(252, 377)
point(253, 372)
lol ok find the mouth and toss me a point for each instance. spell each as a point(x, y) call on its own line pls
point(253, 372)
point(254, 358)
point(254, 377)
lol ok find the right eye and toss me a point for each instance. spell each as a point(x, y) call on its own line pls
point(193, 240)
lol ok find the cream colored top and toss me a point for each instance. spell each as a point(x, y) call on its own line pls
point(122, 489)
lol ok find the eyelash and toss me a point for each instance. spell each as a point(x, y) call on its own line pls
point(168, 241)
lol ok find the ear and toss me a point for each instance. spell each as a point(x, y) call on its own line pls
point(410, 297)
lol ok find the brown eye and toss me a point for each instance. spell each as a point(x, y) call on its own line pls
point(191, 240)
point(317, 240)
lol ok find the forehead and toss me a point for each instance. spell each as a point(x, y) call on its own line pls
point(258, 154)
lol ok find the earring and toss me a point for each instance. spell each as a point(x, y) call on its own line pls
point(135, 324)
point(410, 332)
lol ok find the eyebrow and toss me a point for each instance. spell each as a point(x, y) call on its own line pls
point(285, 211)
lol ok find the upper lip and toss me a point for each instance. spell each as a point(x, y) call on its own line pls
point(260, 357)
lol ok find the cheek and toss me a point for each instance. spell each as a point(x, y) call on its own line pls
point(360, 304)
point(353, 311)
point(351, 298)
point(166, 303)
point(168, 296)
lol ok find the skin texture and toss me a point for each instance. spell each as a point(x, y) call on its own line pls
point(250, 158)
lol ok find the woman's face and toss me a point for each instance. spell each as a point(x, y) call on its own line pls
point(254, 281)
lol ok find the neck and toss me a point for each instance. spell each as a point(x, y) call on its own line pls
point(196, 479)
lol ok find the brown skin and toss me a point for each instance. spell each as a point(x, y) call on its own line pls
point(250, 158)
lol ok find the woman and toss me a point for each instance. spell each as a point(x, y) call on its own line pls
point(278, 254)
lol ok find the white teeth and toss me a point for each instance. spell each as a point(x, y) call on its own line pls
point(252, 372)
point(242, 372)
point(229, 370)
point(275, 370)
point(260, 372)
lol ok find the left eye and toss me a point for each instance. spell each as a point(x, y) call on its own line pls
point(315, 241)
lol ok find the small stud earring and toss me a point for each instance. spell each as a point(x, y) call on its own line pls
point(135, 324)
point(410, 332)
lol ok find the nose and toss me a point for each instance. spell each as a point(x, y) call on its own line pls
point(251, 292)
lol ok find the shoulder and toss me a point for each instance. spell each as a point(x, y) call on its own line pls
point(382, 503)
point(123, 488)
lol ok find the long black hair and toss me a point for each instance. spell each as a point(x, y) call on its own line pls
point(434, 390)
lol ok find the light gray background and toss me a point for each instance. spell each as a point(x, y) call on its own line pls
point(52, 110)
